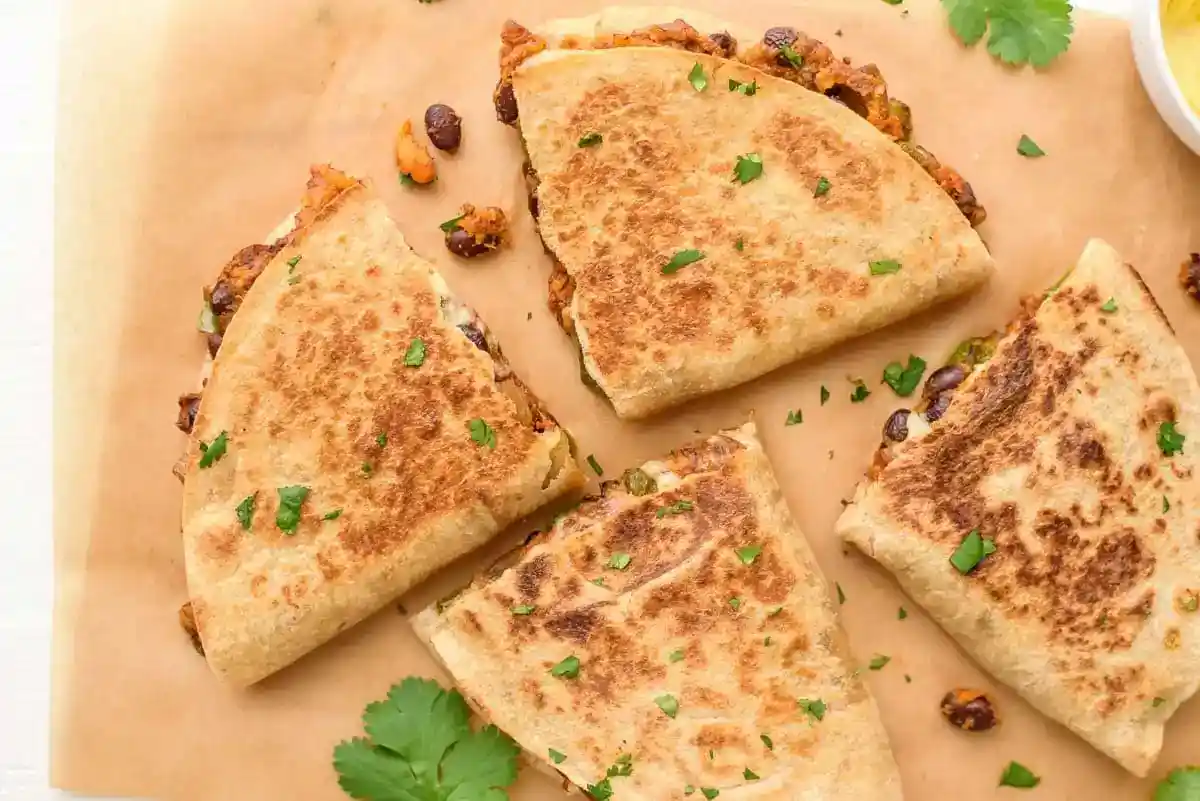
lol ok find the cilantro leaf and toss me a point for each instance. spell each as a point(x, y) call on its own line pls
point(523, 609)
point(1029, 148)
point(904, 379)
point(482, 433)
point(749, 775)
point(1109, 306)
point(245, 511)
point(747, 168)
point(566, 669)
point(735, 603)
point(422, 747)
point(709, 792)
point(697, 78)
point(287, 517)
point(748, 554)
point(747, 89)
point(1170, 441)
point(415, 355)
point(1181, 784)
point(1166, 505)
point(557, 757)
point(902, 614)
point(619, 561)
point(1022, 31)
point(589, 139)
point(451, 225)
point(592, 463)
point(813, 707)
point(823, 187)
point(824, 395)
point(739, 245)
point(211, 452)
point(381, 439)
point(677, 508)
point(971, 551)
point(794, 418)
point(860, 392)
point(293, 261)
point(669, 705)
point(879, 661)
point(884, 267)
point(682, 259)
point(676, 656)
point(1017, 775)
point(793, 58)
point(334, 515)
point(600, 791)
point(767, 742)
point(841, 596)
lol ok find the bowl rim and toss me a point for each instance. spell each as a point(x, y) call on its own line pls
point(1153, 8)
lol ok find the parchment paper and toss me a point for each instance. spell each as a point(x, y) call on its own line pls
point(188, 129)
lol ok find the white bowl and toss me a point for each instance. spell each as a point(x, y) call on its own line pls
point(1156, 73)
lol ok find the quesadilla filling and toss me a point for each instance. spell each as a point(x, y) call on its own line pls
point(783, 52)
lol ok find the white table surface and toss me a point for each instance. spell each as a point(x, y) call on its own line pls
point(28, 77)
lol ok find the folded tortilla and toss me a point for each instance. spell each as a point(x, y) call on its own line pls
point(371, 430)
point(1061, 451)
point(709, 653)
point(633, 150)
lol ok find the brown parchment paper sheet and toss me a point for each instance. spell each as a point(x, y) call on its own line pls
point(188, 127)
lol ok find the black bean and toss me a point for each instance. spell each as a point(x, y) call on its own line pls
point(896, 427)
point(969, 710)
point(944, 379)
point(221, 299)
point(506, 104)
point(444, 126)
point(777, 37)
point(727, 43)
point(938, 405)
point(461, 243)
point(188, 406)
point(475, 335)
point(534, 209)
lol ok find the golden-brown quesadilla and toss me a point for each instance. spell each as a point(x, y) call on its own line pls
point(673, 633)
point(715, 213)
point(360, 429)
point(1049, 517)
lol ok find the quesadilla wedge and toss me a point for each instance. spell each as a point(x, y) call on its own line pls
point(674, 632)
point(1049, 519)
point(360, 429)
point(711, 219)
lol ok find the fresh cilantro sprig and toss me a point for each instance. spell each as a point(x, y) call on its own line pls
point(420, 747)
point(1019, 31)
point(1181, 784)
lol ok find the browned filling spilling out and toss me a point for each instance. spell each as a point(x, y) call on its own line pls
point(784, 53)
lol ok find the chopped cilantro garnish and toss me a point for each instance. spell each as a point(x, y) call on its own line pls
point(213, 451)
point(682, 259)
point(415, 355)
point(482, 433)
point(735, 603)
point(1017, 775)
point(884, 267)
point(523, 609)
point(1166, 505)
point(1157, 702)
point(767, 640)
point(295, 279)
point(774, 611)
point(860, 392)
point(292, 262)
point(749, 553)
point(841, 596)
point(971, 551)
point(794, 418)
point(739, 245)
point(593, 138)
point(747, 168)
point(381, 440)
point(1109, 306)
point(367, 468)
point(557, 757)
point(902, 614)
point(824, 395)
point(334, 515)
point(245, 511)
point(879, 661)
point(592, 463)
point(767, 742)
point(749, 775)
point(747, 89)
point(669, 704)
point(1022, 31)
point(697, 78)
point(421, 746)
point(1170, 441)
point(619, 561)
point(405, 178)
point(679, 507)
point(601, 790)
point(688, 789)
point(676, 656)
point(791, 55)
point(907, 679)
point(566, 669)
point(598, 581)
point(1029, 148)
point(904, 379)
point(710, 792)
point(451, 225)
point(823, 187)
point(287, 517)
point(813, 707)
